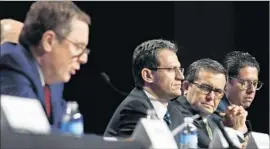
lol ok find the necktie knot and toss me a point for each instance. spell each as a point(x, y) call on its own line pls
point(167, 118)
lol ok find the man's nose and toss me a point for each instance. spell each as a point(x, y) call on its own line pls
point(83, 58)
point(251, 89)
point(211, 96)
point(76, 66)
point(179, 75)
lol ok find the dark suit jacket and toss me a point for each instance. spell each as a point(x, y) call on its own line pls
point(223, 104)
point(129, 112)
point(184, 109)
point(20, 77)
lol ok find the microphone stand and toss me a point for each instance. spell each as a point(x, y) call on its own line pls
point(226, 136)
point(107, 79)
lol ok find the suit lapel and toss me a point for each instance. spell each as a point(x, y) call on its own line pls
point(141, 94)
point(32, 72)
point(54, 97)
point(187, 110)
point(176, 117)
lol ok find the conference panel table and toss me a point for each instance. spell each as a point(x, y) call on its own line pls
point(11, 140)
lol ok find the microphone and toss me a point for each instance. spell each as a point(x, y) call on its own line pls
point(107, 79)
point(226, 136)
point(249, 126)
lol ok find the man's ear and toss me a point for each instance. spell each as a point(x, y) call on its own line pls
point(226, 87)
point(230, 83)
point(147, 75)
point(47, 41)
point(185, 85)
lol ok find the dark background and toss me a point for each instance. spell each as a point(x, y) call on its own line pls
point(201, 29)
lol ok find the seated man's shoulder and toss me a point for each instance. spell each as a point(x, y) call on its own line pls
point(12, 55)
point(177, 102)
point(15, 72)
point(16, 84)
point(216, 116)
point(223, 104)
point(136, 99)
point(131, 103)
point(178, 99)
point(9, 48)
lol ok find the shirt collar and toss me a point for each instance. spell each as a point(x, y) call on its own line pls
point(158, 106)
point(40, 75)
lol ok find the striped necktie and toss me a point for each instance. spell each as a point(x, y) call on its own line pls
point(208, 129)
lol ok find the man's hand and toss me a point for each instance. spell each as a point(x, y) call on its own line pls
point(244, 145)
point(235, 118)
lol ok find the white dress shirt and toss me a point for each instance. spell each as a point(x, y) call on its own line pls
point(158, 106)
point(41, 75)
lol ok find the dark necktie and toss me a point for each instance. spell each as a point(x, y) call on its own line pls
point(47, 94)
point(167, 118)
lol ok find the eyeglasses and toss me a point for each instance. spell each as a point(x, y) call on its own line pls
point(79, 49)
point(171, 69)
point(207, 89)
point(245, 84)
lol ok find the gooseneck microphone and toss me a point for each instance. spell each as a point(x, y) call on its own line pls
point(108, 81)
point(226, 136)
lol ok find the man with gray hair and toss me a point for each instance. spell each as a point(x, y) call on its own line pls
point(157, 75)
point(204, 87)
point(51, 48)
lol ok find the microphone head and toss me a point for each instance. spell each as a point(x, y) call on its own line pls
point(105, 77)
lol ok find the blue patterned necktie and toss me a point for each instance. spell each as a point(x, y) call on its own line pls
point(167, 118)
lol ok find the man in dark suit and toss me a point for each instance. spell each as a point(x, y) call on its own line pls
point(157, 74)
point(243, 71)
point(204, 87)
point(52, 47)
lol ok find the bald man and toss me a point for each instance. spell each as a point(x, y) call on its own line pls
point(10, 30)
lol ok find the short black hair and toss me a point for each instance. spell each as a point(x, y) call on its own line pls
point(204, 64)
point(236, 60)
point(145, 55)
